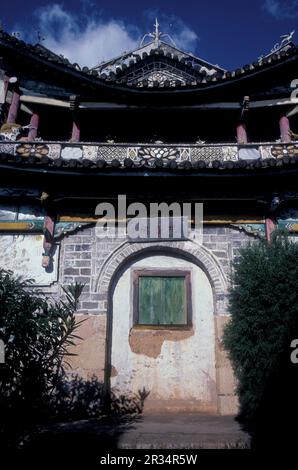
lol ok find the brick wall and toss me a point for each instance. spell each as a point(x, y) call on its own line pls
point(93, 261)
point(83, 255)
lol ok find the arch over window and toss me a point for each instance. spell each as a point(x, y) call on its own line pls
point(126, 253)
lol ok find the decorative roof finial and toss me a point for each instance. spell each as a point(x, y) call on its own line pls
point(286, 40)
point(157, 33)
point(156, 36)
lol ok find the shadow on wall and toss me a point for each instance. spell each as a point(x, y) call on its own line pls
point(76, 398)
point(78, 415)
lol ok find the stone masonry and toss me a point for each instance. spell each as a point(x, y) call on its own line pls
point(94, 261)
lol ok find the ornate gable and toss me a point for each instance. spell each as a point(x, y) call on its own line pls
point(158, 70)
point(157, 63)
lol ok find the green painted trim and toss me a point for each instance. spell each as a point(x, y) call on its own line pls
point(37, 226)
point(62, 228)
point(258, 230)
point(289, 224)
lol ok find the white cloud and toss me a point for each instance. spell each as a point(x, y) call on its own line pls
point(185, 39)
point(81, 39)
point(90, 41)
point(279, 9)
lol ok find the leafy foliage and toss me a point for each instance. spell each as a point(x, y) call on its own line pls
point(264, 321)
point(37, 334)
point(35, 387)
point(75, 398)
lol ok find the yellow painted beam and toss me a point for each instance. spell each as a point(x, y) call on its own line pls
point(232, 220)
point(207, 220)
point(15, 226)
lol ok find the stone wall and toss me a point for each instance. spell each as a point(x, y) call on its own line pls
point(97, 262)
point(85, 258)
point(93, 261)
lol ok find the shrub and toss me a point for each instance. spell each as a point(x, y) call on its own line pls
point(264, 320)
point(76, 398)
point(37, 333)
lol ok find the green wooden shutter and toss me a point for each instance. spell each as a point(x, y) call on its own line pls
point(162, 300)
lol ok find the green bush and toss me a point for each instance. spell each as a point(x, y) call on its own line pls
point(37, 333)
point(264, 318)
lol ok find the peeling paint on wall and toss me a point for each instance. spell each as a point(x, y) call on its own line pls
point(114, 372)
point(149, 342)
point(89, 352)
point(177, 367)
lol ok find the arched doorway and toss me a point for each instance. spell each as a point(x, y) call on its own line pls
point(168, 350)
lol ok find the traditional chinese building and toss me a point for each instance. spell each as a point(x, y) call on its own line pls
point(157, 125)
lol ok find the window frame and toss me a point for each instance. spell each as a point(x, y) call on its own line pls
point(162, 273)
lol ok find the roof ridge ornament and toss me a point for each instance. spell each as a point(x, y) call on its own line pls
point(156, 36)
point(157, 33)
point(286, 40)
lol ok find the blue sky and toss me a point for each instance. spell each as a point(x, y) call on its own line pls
point(229, 33)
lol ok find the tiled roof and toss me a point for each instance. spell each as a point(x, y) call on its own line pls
point(192, 68)
point(195, 71)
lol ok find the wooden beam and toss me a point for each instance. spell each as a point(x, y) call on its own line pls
point(270, 227)
point(25, 109)
point(276, 102)
point(76, 131)
point(3, 87)
point(292, 112)
point(208, 220)
point(241, 134)
point(44, 100)
point(284, 127)
point(93, 105)
point(15, 226)
point(76, 128)
point(220, 105)
point(14, 108)
point(34, 122)
point(48, 240)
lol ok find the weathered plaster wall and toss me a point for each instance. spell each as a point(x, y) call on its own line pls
point(227, 399)
point(22, 254)
point(177, 367)
point(90, 358)
point(94, 262)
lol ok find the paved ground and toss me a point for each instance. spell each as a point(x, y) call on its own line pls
point(167, 431)
point(184, 431)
